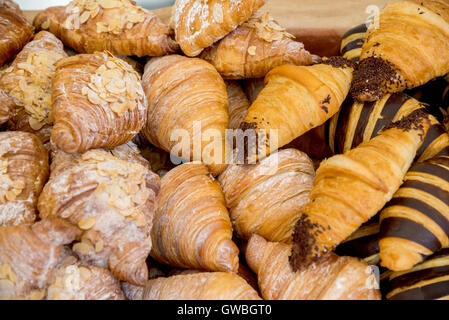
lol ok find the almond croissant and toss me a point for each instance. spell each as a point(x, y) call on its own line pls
point(409, 47)
point(200, 23)
point(98, 101)
point(296, 99)
point(118, 26)
point(351, 188)
point(191, 227)
point(29, 80)
point(200, 286)
point(23, 173)
point(267, 198)
point(254, 48)
point(29, 255)
point(112, 202)
point(186, 96)
point(330, 278)
point(15, 30)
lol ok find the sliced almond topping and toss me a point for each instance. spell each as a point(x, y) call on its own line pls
point(46, 24)
point(99, 246)
point(81, 247)
point(10, 196)
point(34, 124)
point(252, 50)
point(37, 295)
point(86, 224)
point(85, 273)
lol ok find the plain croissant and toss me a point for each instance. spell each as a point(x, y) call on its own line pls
point(200, 286)
point(98, 101)
point(29, 80)
point(192, 228)
point(23, 173)
point(118, 26)
point(15, 30)
point(351, 188)
point(112, 201)
point(330, 278)
point(198, 23)
point(409, 47)
point(29, 255)
point(303, 97)
point(254, 48)
point(267, 198)
point(184, 95)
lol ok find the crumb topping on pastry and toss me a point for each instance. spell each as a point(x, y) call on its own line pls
point(267, 28)
point(114, 83)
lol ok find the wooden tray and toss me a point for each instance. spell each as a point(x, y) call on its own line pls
point(319, 24)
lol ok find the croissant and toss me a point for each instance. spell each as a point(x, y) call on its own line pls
point(112, 201)
point(238, 104)
point(190, 95)
point(83, 282)
point(426, 281)
point(303, 97)
point(29, 255)
point(267, 198)
point(352, 42)
point(29, 79)
point(330, 278)
point(15, 30)
point(98, 101)
point(351, 188)
point(409, 47)
point(118, 26)
point(23, 173)
point(359, 122)
point(198, 23)
point(415, 223)
point(254, 48)
point(200, 286)
point(191, 227)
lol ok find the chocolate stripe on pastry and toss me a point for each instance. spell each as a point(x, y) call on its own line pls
point(440, 160)
point(362, 247)
point(425, 209)
point(358, 29)
point(429, 292)
point(355, 44)
point(434, 132)
point(398, 227)
point(440, 254)
point(367, 109)
point(411, 278)
point(341, 127)
point(434, 170)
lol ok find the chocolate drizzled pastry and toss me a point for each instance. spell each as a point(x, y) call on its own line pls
point(374, 77)
point(338, 62)
point(412, 122)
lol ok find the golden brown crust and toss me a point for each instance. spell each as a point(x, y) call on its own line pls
point(267, 198)
point(238, 104)
point(331, 278)
point(24, 171)
point(7, 106)
point(28, 79)
point(200, 286)
point(15, 30)
point(184, 92)
point(255, 48)
point(198, 24)
point(29, 255)
point(192, 227)
point(118, 26)
point(98, 101)
point(112, 202)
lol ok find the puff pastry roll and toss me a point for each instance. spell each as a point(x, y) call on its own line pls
point(190, 95)
point(29, 80)
point(200, 286)
point(267, 198)
point(15, 30)
point(118, 26)
point(29, 255)
point(23, 173)
point(349, 189)
point(359, 122)
point(98, 101)
point(330, 278)
point(200, 23)
point(192, 228)
point(415, 223)
point(112, 201)
point(352, 42)
point(426, 281)
point(409, 47)
point(254, 48)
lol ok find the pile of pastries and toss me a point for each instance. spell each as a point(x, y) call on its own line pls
point(97, 202)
